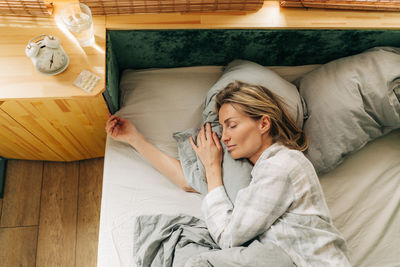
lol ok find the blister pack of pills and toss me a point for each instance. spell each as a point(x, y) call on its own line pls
point(86, 80)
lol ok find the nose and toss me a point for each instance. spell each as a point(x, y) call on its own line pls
point(225, 138)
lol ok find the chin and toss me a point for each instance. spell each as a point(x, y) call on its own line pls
point(235, 155)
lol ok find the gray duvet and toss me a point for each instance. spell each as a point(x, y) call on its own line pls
point(182, 240)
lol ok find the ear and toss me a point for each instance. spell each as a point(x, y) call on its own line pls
point(264, 124)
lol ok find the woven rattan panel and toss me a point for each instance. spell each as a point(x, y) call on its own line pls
point(381, 5)
point(26, 7)
point(112, 7)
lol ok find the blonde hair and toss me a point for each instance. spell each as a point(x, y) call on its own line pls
point(256, 101)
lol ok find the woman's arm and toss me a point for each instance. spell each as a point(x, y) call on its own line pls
point(124, 131)
point(256, 208)
point(167, 165)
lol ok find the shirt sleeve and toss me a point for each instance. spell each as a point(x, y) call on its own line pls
point(256, 207)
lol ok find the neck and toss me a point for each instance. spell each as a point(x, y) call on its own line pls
point(267, 142)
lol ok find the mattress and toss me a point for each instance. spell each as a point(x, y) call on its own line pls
point(363, 193)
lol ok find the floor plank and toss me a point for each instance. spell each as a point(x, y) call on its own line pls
point(58, 214)
point(18, 246)
point(90, 185)
point(22, 190)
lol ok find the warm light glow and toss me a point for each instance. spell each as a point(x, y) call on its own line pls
point(99, 70)
point(97, 47)
point(26, 22)
point(63, 28)
point(60, 24)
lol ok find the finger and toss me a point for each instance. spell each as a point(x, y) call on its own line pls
point(113, 117)
point(216, 140)
point(109, 126)
point(112, 132)
point(112, 125)
point(110, 119)
point(202, 134)
point(193, 144)
point(199, 138)
point(118, 121)
point(208, 132)
point(122, 121)
point(115, 131)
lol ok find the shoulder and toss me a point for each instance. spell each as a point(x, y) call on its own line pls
point(282, 161)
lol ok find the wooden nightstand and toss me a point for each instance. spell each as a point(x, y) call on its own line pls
point(47, 117)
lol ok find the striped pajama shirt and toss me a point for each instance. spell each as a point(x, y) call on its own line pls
point(283, 204)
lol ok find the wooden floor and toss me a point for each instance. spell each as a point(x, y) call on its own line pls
point(50, 213)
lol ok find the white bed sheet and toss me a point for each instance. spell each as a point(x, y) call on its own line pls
point(363, 193)
point(132, 187)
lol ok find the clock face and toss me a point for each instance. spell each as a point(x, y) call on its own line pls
point(51, 61)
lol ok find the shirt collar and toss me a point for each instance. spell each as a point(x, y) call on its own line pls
point(270, 151)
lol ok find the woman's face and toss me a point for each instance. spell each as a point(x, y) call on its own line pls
point(243, 136)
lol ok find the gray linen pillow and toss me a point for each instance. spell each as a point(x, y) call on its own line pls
point(236, 173)
point(350, 101)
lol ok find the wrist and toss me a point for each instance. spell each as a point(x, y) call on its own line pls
point(213, 185)
point(213, 166)
point(213, 170)
point(214, 177)
point(136, 140)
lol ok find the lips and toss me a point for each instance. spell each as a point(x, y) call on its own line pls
point(230, 147)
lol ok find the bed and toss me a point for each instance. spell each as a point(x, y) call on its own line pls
point(156, 76)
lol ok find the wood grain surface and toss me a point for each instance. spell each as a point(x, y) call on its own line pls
point(64, 129)
point(58, 214)
point(90, 186)
point(66, 234)
point(18, 246)
point(18, 142)
point(22, 193)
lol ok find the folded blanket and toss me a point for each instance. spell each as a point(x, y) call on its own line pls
point(184, 241)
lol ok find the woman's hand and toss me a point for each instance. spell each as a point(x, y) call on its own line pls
point(209, 151)
point(122, 130)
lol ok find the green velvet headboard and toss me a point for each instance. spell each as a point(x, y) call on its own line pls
point(139, 49)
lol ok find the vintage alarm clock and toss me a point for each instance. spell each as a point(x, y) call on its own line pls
point(47, 55)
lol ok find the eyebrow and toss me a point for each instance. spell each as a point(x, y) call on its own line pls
point(229, 119)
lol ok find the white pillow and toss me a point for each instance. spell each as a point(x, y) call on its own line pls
point(350, 101)
point(160, 102)
point(163, 101)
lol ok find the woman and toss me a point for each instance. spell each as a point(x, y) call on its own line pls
point(284, 203)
